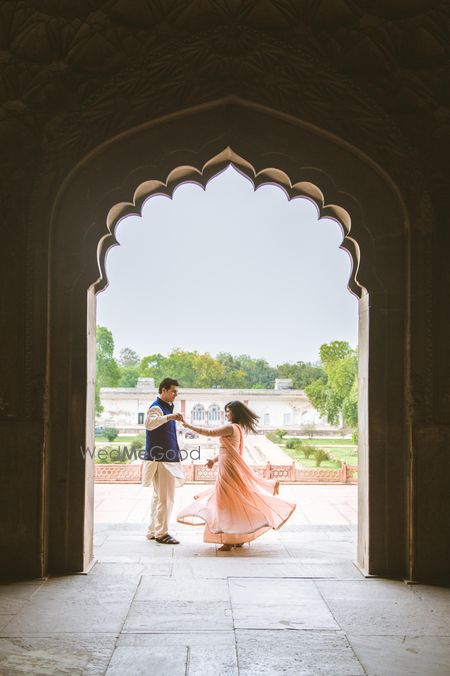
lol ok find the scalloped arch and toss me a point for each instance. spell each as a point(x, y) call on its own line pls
point(306, 189)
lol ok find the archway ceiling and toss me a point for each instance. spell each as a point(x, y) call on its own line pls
point(375, 72)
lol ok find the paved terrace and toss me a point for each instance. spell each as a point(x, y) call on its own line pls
point(291, 603)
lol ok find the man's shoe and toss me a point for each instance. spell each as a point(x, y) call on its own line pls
point(167, 540)
point(150, 537)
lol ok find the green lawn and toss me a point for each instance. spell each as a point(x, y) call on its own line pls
point(347, 454)
point(325, 464)
point(117, 440)
point(297, 455)
point(325, 441)
point(114, 453)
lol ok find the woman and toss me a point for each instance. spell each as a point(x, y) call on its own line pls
point(241, 506)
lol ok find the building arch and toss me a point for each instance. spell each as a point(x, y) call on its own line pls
point(214, 413)
point(198, 413)
point(266, 147)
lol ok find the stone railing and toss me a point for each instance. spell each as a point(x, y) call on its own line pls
point(347, 474)
point(123, 473)
point(202, 473)
point(131, 473)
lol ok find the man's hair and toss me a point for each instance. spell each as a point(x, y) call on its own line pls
point(166, 384)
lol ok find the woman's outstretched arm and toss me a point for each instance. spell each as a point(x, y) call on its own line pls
point(223, 431)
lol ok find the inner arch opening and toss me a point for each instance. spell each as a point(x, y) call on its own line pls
point(178, 180)
point(215, 166)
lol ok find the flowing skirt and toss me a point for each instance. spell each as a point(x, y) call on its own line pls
point(240, 507)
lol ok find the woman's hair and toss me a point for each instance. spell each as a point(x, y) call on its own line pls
point(243, 415)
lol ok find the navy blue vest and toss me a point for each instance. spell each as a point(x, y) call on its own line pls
point(162, 443)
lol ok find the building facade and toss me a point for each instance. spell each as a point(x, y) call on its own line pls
point(125, 407)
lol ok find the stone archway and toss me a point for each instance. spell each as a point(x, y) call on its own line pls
point(266, 146)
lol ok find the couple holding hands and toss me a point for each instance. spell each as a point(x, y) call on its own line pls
point(240, 507)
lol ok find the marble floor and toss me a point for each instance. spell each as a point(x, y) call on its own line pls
point(291, 603)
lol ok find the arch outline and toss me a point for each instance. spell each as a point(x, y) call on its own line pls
point(184, 174)
point(379, 226)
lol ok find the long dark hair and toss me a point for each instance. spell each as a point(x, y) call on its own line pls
point(242, 415)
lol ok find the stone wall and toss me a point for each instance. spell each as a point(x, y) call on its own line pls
point(97, 104)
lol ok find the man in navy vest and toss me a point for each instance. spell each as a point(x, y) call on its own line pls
point(162, 463)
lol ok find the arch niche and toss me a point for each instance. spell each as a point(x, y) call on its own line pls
point(195, 145)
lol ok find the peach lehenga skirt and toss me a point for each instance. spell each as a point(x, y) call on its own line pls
point(242, 505)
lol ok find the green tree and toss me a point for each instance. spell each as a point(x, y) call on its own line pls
point(98, 404)
point(234, 376)
point(308, 451)
point(111, 433)
point(182, 366)
point(320, 455)
point(128, 376)
point(105, 341)
point(128, 357)
point(209, 371)
point(195, 369)
point(138, 443)
point(294, 443)
point(337, 395)
point(335, 351)
point(259, 372)
point(152, 367)
point(301, 373)
point(107, 369)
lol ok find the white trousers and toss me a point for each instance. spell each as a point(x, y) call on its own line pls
point(162, 501)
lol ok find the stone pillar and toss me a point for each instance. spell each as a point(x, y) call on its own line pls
point(23, 405)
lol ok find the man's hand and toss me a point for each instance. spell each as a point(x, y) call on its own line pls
point(210, 463)
point(176, 416)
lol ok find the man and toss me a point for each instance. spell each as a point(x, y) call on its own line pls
point(162, 463)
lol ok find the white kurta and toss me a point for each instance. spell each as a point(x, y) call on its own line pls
point(155, 417)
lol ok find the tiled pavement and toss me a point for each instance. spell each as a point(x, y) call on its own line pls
point(291, 603)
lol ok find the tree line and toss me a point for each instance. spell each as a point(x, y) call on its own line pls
point(331, 385)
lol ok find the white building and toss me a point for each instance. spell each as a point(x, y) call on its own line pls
point(125, 407)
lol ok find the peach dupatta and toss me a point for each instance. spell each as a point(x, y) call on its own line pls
point(242, 505)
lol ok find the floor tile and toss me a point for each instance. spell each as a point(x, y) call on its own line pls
point(155, 568)
point(382, 607)
point(278, 604)
point(14, 595)
point(181, 616)
point(403, 655)
point(204, 654)
point(434, 597)
point(87, 655)
point(299, 653)
point(142, 661)
point(78, 604)
point(177, 590)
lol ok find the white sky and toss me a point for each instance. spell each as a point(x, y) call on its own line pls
point(229, 269)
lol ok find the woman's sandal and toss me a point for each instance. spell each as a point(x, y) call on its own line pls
point(167, 540)
point(228, 548)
